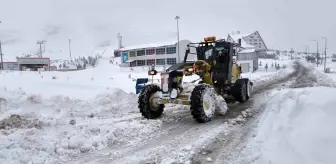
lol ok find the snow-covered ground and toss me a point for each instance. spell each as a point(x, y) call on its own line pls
point(297, 124)
point(46, 120)
point(296, 127)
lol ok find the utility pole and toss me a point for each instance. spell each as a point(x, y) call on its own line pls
point(1, 66)
point(178, 39)
point(325, 53)
point(317, 52)
point(40, 43)
point(70, 49)
point(307, 51)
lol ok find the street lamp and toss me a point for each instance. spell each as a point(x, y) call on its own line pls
point(1, 66)
point(316, 52)
point(307, 50)
point(178, 38)
point(325, 53)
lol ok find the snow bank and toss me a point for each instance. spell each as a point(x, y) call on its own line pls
point(37, 130)
point(84, 84)
point(296, 128)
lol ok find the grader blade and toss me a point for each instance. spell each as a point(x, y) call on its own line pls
point(174, 101)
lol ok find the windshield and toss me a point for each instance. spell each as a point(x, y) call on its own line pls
point(208, 54)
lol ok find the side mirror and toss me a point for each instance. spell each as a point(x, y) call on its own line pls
point(239, 42)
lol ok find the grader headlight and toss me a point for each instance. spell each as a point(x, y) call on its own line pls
point(190, 69)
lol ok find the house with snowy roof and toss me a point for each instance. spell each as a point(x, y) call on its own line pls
point(252, 45)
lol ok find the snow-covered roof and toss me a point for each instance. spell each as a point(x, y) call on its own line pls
point(9, 59)
point(151, 45)
point(235, 38)
point(247, 50)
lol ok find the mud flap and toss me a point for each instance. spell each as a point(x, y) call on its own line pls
point(221, 106)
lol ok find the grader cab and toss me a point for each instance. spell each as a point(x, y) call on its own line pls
point(219, 82)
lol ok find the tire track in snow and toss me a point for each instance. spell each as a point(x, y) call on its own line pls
point(234, 143)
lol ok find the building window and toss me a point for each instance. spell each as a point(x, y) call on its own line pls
point(133, 64)
point(140, 62)
point(171, 61)
point(171, 50)
point(160, 51)
point(160, 61)
point(151, 61)
point(132, 54)
point(150, 51)
point(140, 52)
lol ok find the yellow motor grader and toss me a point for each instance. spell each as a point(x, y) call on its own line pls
point(219, 82)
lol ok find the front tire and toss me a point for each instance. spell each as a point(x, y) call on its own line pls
point(146, 102)
point(202, 104)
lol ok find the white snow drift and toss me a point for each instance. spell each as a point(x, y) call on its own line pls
point(297, 126)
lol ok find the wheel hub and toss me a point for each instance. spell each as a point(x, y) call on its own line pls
point(154, 100)
point(208, 103)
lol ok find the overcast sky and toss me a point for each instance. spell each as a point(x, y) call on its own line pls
point(283, 24)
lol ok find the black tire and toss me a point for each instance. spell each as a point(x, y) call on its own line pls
point(196, 104)
point(144, 102)
point(239, 91)
point(248, 83)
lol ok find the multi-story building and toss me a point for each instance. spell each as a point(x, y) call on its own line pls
point(158, 54)
point(249, 40)
point(253, 46)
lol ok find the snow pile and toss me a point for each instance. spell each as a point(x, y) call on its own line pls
point(309, 76)
point(296, 128)
point(37, 130)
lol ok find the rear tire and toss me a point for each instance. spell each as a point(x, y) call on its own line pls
point(248, 88)
point(145, 103)
point(240, 91)
point(202, 103)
